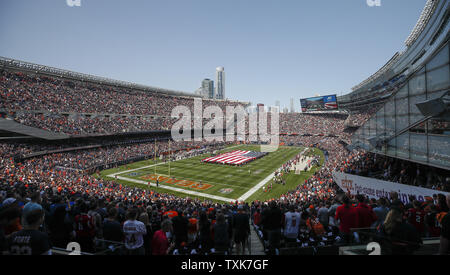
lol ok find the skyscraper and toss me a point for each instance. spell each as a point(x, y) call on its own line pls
point(220, 83)
point(208, 85)
point(292, 106)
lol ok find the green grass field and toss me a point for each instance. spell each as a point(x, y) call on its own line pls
point(191, 177)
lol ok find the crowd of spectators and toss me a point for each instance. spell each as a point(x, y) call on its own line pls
point(311, 123)
point(20, 91)
point(357, 119)
point(368, 164)
point(83, 125)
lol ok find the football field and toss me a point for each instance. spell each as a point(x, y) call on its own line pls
point(217, 182)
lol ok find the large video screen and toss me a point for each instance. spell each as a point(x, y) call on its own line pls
point(321, 103)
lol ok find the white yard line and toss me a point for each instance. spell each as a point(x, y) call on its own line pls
point(256, 187)
point(259, 185)
point(194, 193)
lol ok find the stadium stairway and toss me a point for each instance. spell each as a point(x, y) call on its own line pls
point(257, 247)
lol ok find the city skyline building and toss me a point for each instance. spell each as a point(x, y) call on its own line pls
point(208, 85)
point(220, 83)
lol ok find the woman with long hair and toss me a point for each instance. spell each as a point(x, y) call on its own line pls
point(396, 236)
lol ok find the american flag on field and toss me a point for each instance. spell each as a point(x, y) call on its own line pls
point(235, 158)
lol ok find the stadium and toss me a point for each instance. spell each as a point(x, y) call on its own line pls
point(90, 165)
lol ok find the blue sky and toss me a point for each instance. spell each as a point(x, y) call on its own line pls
point(271, 49)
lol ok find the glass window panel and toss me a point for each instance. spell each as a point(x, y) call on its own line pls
point(392, 148)
point(403, 92)
point(390, 125)
point(438, 79)
point(403, 145)
point(417, 85)
point(402, 106)
point(440, 59)
point(373, 127)
point(418, 147)
point(380, 121)
point(439, 150)
point(401, 122)
point(389, 108)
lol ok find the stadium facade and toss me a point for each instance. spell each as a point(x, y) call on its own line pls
point(411, 95)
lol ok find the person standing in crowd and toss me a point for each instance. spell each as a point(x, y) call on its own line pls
point(381, 212)
point(396, 236)
point(160, 242)
point(444, 248)
point(257, 217)
point(29, 240)
point(148, 236)
point(291, 224)
point(272, 222)
point(348, 218)
point(332, 213)
point(84, 229)
point(60, 229)
point(314, 225)
point(221, 237)
point(112, 230)
point(416, 217)
point(366, 216)
point(204, 226)
point(323, 215)
point(192, 229)
point(134, 232)
point(241, 229)
point(180, 228)
point(93, 212)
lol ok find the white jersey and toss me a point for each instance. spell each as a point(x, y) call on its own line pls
point(291, 224)
point(134, 232)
